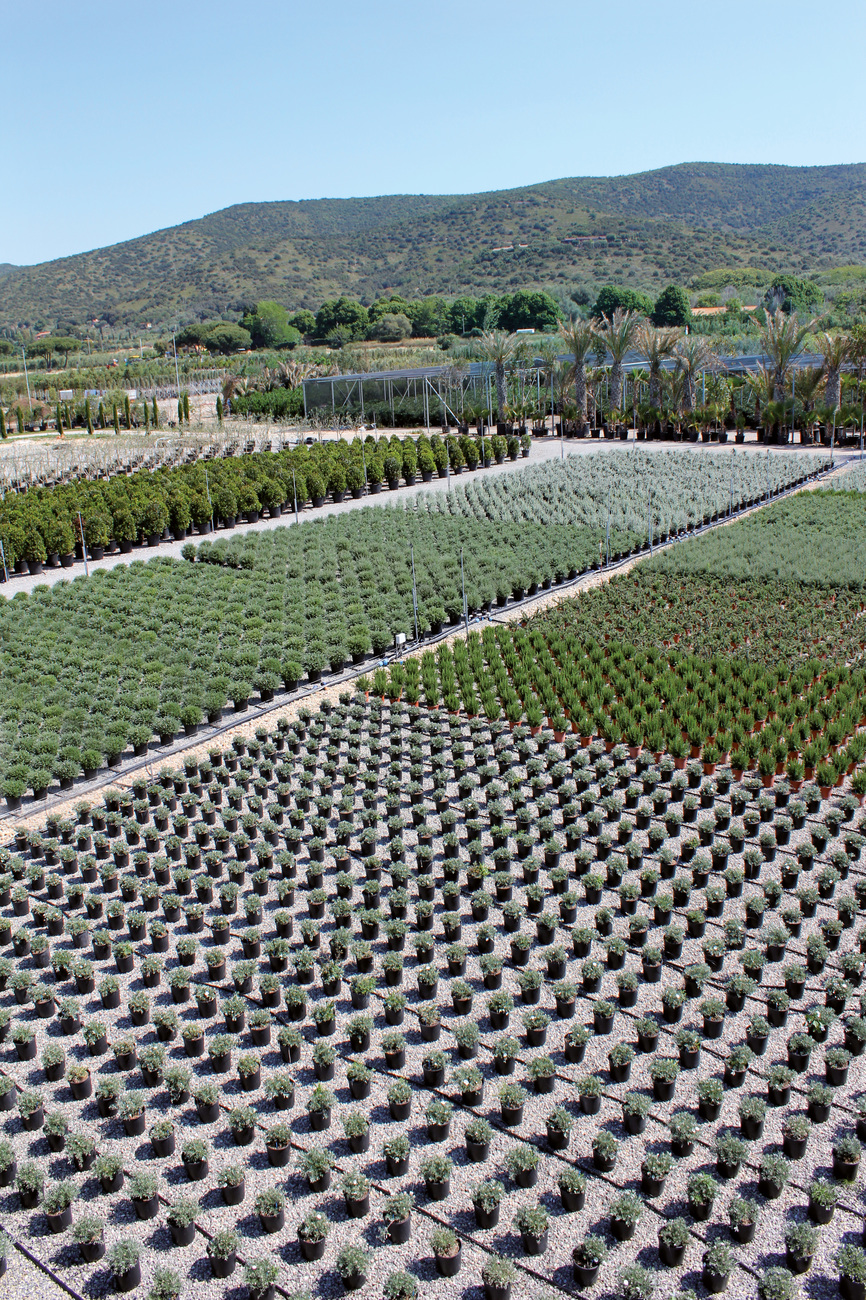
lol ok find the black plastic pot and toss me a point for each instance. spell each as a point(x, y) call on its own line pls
point(129, 1279)
point(145, 1209)
point(486, 1218)
point(584, 1276)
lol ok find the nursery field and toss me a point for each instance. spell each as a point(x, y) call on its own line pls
point(633, 485)
point(765, 622)
point(144, 505)
point(815, 538)
point(417, 1002)
point(853, 479)
point(782, 585)
point(100, 664)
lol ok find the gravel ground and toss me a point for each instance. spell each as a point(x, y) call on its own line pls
point(23, 1280)
point(549, 1272)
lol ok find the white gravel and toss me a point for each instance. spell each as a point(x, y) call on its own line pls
point(549, 1272)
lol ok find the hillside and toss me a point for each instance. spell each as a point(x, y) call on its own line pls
point(677, 223)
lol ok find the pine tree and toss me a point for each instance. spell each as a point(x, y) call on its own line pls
point(180, 410)
point(219, 408)
point(155, 414)
point(127, 413)
point(3, 433)
point(19, 416)
point(101, 416)
point(116, 421)
point(59, 418)
point(146, 419)
point(186, 407)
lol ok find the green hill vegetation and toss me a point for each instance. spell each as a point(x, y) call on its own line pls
point(700, 224)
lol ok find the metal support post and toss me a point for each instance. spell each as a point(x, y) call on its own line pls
point(552, 412)
point(83, 544)
point(731, 507)
point(414, 594)
point(463, 585)
point(607, 531)
point(295, 491)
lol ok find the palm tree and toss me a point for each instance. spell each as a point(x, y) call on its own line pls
point(501, 348)
point(782, 339)
point(808, 382)
point(674, 398)
point(655, 346)
point(618, 335)
point(761, 383)
point(835, 349)
point(580, 337)
point(693, 355)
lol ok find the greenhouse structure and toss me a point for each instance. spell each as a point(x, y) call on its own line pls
point(440, 394)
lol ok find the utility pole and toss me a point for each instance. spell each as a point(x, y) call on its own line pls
point(27, 380)
point(176, 368)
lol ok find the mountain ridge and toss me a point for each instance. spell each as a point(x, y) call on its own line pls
point(672, 223)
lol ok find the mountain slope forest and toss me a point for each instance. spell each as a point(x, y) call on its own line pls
point(696, 223)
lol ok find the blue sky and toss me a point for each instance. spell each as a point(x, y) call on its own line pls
point(119, 119)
